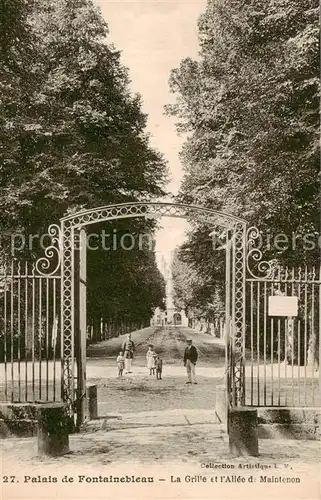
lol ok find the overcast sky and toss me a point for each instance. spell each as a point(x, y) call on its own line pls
point(154, 36)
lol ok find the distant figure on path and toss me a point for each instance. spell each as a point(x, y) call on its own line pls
point(128, 347)
point(190, 358)
point(159, 367)
point(120, 363)
point(150, 357)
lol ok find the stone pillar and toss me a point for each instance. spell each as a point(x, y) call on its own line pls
point(243, 432)
point(92, 402)
point(53, 429)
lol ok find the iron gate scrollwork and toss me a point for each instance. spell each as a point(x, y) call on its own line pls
point(70, 226)
point(283, 347)
point(60, 265)
point(40, 302)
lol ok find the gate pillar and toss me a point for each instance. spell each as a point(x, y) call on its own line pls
point(237, 329)
point(80, 319)
point(67, 315)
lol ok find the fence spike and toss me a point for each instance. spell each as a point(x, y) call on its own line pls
point(313, 273)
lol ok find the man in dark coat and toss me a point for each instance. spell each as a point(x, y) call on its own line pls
point(190, 358)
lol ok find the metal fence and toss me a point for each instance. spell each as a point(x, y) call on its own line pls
point(282, 353)
point(30, 335)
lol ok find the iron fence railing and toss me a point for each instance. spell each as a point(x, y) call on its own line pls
point(99, 329)
point(30, 335)
point(282, 352)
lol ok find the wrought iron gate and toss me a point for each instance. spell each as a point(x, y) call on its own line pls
point(73, 238)
point(269, 360)
point(281, 352)
point(43, 307)
point(30, 327)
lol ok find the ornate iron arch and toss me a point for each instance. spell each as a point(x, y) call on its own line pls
point(151, 209)
point(236, 228)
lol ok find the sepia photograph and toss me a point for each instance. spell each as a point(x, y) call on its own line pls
point(160, 250)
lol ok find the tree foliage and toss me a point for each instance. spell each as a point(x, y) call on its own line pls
point(132, 285)
point(249, 109)
point(199, 285)
point(72, 135)
point(82, 140)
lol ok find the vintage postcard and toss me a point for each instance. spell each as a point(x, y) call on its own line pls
point(160, 286)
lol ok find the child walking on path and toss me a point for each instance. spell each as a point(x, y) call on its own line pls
point(159, 367)
point(150, 357)
point(120, 363)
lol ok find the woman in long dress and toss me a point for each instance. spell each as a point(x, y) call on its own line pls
point(150, 357)
point(128, 348)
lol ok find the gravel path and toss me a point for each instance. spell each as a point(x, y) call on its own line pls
point(139, 390)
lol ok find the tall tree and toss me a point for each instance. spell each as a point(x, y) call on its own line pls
point(132, 285)
point(83, 141)
point(199, 295)
point(250, 106)
point(72, 134)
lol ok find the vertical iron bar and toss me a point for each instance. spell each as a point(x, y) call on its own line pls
point(286, 327)
point(293, 343)
point(33, 314)
point(72, 360)
point(234, 368)
point(47, 338)
point(40, 335)
point(227, 318)
point(279, 343)
point(299, 361)
point(62, 320)
point(292, 357)
point(319, 319)
point(258, 343)
point(279, 362)
point(272, 350)
point(286, 339)
point(81, 292)
point(272, 359)
point(19, 331)
point(12, 327)
point(26, 332)
point(227, 321)
point(5, 336)
point(305, 333)
point(264, 340)
point(54, 337)
point(299, 343)
point(243, 374)
point(252, 342)
point(313, 336)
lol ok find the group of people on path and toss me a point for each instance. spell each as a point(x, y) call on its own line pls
point(154, 361)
